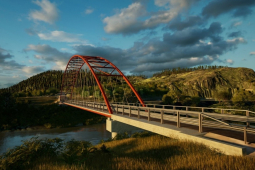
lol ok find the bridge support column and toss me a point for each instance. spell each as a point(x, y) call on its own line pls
point(116, 127)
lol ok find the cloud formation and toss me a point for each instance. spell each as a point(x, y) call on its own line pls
point(190, 21)
point(50, 54)
point(238, 7)
point(130, 20)
point(186, 48)
point(33, 69)
point(61, 36)
point(235, 24)
point(235, 34)
point(229, 61)
point(252, 53)
point(89, 11)
point(48, 12)
point(191, 36)
point(7, 62)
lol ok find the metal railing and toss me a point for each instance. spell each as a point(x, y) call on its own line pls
point(202, 119)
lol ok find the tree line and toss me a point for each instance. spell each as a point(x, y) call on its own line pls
point(168, 72)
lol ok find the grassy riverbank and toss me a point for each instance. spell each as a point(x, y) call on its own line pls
point(151, 152)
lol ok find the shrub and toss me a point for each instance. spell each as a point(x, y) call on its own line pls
point(76, 151)
point(166, 99)
point(47, 125)
point(22, 156)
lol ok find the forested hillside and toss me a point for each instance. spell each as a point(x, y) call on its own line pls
point(174, 85)
point(48, 82)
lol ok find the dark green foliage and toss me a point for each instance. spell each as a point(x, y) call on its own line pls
point(23, 156)
point(6, 101)
point(191, 101)
point(16, 115)
point(166, 99)
point(76, 151)
point(223, 95)
point(32, 151)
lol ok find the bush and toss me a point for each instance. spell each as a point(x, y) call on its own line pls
point(47, 125)
point(76, 151)
point(223, 95)
point(52, 91)
point(34, 150)
point(22, 156)
point(191, 101)
point(166, 99)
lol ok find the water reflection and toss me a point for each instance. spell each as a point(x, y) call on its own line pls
point(92, 133)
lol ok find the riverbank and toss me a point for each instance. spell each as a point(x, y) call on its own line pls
point(24, 116)
point(137, 152)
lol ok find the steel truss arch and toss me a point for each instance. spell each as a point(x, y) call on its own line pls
point(76, 62)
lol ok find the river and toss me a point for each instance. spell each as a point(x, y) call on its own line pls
point(92, 133)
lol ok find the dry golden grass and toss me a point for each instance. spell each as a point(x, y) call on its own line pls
point(156, 152)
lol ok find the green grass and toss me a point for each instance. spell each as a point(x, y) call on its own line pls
point(152, 152)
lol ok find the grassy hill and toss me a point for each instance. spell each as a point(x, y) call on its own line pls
point(206, 83)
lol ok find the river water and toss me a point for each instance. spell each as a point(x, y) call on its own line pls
point(92, 133)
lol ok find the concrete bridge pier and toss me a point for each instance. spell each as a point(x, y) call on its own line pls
point(116, 127)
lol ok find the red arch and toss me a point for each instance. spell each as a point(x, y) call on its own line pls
point(77, 61)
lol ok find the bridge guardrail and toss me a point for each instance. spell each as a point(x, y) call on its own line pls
point(200, 119)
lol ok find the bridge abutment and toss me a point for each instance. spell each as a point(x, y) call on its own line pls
point(116, 127)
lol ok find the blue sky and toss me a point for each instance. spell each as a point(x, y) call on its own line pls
point(138, 36)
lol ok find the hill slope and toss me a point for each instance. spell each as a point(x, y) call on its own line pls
point(206, 83)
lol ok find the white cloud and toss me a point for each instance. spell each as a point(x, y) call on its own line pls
point(48, 12)
point(237, 24)
point(89, 10)
point(49, 54)
point(61, 36)
point(33, 69)
point(252, 53)
point(235, 40)
point(177, 5)
point(229, 61)
point(126, 18)
point(131, 19)
point(15, 76)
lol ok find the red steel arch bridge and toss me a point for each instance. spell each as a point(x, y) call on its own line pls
point(96, 85)
point(92, 80)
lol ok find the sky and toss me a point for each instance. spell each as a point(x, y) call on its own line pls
point(138, 36)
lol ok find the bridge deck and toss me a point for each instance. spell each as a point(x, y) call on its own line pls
point(181, 119)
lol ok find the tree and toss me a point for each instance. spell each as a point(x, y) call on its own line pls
point(167, 99)
point(175, 94)
point(223, 95)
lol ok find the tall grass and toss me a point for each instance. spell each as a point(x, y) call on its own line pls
point(153, 152)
